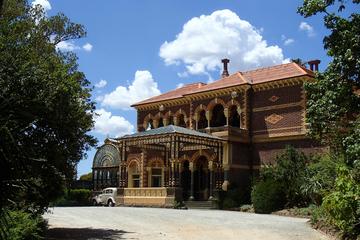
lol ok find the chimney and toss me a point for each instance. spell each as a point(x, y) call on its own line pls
point(314, 65)
point(225, 72)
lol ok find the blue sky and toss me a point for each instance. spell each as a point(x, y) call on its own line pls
point(135, 49)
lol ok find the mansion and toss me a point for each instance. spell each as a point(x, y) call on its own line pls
point(200, 139)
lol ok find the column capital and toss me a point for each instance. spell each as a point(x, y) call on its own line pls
point(210, 165)
point(191, 166)
point(208, 114)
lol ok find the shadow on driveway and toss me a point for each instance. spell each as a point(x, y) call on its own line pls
point(84, 234)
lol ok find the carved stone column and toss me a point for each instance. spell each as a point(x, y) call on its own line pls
point(239, 112)
point(176, 121)
point(173, 180)
point(208, 116)
point(196, 118)
point(226, 113)
point(191, 167)
point(166, 121)
point(148, 169)
point(156, 123)
point(211, 180)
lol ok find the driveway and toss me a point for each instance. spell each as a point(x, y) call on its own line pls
point(157, 223)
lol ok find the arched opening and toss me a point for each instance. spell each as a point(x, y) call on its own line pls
point(185, 180)
point(150, 125)
point(161, 122)
point(218, 118)
point(134, 175)
point(201, 179)
point(234, 117)
point(171, 120)
point(202, 123)
point(181, 121)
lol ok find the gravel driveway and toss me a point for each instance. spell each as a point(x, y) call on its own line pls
point(157, 223)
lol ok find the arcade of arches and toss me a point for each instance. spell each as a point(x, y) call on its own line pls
point(215, 116)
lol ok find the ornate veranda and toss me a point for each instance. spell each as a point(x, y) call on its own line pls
point(162, 161)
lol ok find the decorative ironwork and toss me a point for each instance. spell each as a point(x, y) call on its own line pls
point(107, 156)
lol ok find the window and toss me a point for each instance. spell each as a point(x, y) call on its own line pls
point(136, 180)
point(218, 118)
point(156, 174)
point(202, 123)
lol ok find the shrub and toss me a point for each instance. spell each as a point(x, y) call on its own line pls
point(342, 206)
point(319, 178)
point(267, 196)
point(81, 196)
point(24, 226)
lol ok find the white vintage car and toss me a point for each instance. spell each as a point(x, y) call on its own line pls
point(106, 197)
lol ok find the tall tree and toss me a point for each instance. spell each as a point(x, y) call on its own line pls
point(334, 105)
point(45, 106)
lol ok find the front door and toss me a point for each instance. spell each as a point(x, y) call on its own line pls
point(201, 179)
point(185, 180)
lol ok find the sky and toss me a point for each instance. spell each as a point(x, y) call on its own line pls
point(136, 49)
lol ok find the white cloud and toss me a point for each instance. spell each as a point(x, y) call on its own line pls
point(87, 47)
point(142, 87)
point(67, 46)
point(44, 3)
point(102, 83)
point(205, 40)
point(289, 41)
point(113, 126)
point(304, 26)
point(180, 85)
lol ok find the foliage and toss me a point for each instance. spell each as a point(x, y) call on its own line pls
point(319, 178)
point(343, 204)
point(332, 104)
point(333, 108)
point(24, 226)
point(268, 196)
point(45, 106)
point(289, 170)
point(86, 177)
point(75, 197)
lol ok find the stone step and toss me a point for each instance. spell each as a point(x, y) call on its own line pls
point(199, 204)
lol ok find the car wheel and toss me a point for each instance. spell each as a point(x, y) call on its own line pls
point(110, 203)
point(94, 203)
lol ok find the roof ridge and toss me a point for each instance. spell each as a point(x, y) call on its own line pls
point(265, 68)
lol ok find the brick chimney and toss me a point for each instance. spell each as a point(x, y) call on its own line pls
point(314, 65)
point(225, 72)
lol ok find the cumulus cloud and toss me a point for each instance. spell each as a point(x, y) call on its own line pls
point(87, 47)
point(142, 87)
point(71, 46)
point(67, 46)
point(287, 41)
point(102, 83)
point(205, 40)
point(45, 4)
point(113, 126)
point(304, 26)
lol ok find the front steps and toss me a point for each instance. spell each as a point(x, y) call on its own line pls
point(200, 204)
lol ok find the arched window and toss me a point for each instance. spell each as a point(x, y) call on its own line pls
point(234, 117)
point(181, 121)
point(171, 120)
point(202, 123)
point(150, 125)
point(134, 175)
point(161, 122)
point(218, 118)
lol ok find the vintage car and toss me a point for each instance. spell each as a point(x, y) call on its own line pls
point(106, 197)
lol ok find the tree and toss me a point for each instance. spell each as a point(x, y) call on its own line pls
point(333, 109)
point(45, 106)
point(86, 177)
point(333, 106)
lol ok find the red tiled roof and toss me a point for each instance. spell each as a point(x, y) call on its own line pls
point(173, 94)
point(262, 75)
point(278, 72)
point(232, 80)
